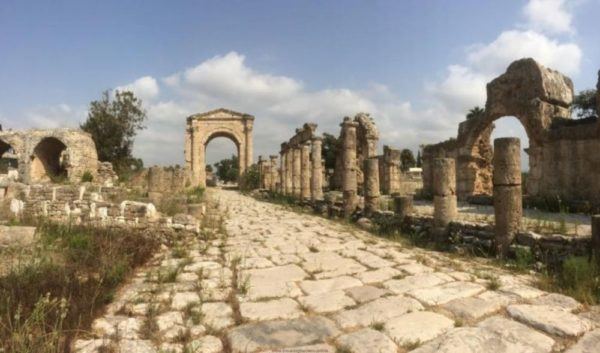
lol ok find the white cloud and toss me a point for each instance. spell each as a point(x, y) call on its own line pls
point(58, 116)
point(145, 88)
point(549, 16)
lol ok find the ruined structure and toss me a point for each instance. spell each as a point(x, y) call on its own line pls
point(165, 181)
point(560, 162)
point(202, 128)
point(444, 191)
point(50, 155)
point(389, 170)
point(349, 163)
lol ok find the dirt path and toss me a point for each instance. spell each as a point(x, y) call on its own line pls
point(280, 281)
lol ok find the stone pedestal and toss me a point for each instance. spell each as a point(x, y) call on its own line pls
point(371, 186)
point(508, 207)
point(305, 173)
point(444, 195)
point(349, 177)
point(316, 180)
point(403, 205)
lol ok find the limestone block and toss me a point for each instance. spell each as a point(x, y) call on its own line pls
point(507, 161)
point(403, 205)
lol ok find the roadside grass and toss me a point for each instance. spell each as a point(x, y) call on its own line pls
point(48, 300)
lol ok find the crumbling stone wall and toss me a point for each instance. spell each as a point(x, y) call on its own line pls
point(389, 170)
point(561, 161)
point(47, 155)
point(166, 181)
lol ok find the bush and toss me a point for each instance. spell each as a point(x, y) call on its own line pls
point(581, 278)
point(195, 195)
point(87, 177)
point(250, 179)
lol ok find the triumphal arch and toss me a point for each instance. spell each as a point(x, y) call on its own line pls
point(202, 128)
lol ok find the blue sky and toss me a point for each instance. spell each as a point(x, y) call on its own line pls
point(416, 66)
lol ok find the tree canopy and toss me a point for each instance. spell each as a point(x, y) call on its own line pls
point(228, 169)
point(113, 122)
point(407, 160)
point(584, 104)
point(329, 150)
point(475, 112)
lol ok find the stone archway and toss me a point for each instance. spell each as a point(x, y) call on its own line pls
point(49, 161)
point(202, 128)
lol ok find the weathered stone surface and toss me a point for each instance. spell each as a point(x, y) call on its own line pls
point(17, 235)
point(550, 319)
point(379, 310)
point(558, 300)
point(329, 285)
point(415, 268)
point(444, 177)
point(406, 284)
point(444, 210)
point(283, 308)
point(183, 299)
point(274, 282)
point(367, 340)
point(507, 161)
point(420, 326)
point(217, 315)
point(365, 294)
point(589, 343)
point(137, 346)
point(473, 308)
point(326, 302)
point(446, 292)
point(316, 348)
point(281, 334)
point(206, 344)
point(379, 275)
point(523, 291)
point(515, 332)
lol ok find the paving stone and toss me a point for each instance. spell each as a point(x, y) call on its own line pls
point(137, 346)
point(284, 308)
point(171, 347)
point(317, 348)
point(445, 293)
point(550, 319)
point(326, 302)
point(516, 332)
point(472, 340)
point(415, 268)
point(406, 284)
point(329, 285)
point(419, 326)
point(558, 300)
point(129, 328)
point(256, 262)
point(379, 275)
point(365, 294)
point(206, 344)
point(329, 264)
point(589, 343)
point(592, 314)
point(183, 299)
point(217, 315)
point(279, 334)
point(379, 310)
point(523, 291)
point(89, 346)
point(367, 340)
point(472, 308)
point(275, 282)
point(285, 259)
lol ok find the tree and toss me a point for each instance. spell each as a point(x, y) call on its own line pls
point(584, 104)
point(476, 112)
point(329, 150)
point(419, 160)
point(113, 122)
point(407, 159)
point(209, 168)
point(228, 169)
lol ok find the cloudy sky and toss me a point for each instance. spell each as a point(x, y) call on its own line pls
point(416, 66)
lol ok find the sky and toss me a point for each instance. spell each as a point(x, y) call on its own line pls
point(416, 66)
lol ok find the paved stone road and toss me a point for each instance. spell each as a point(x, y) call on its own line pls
point(280, 281)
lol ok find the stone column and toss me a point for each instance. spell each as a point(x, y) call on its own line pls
point(261, 173)
point(595, 246)
point(296, 170)
point(349, 177)
point(403, 205)
point(289, 160)
point(371, 186)
point(316, 180)
point(274, 174)
point(305, 172)
point(282, 171)
point(444, 194)
point(508, 207)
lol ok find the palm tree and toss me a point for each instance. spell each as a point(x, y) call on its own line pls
point(475, 113)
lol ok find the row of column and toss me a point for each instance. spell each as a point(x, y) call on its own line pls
point(269, 175)
point(508, 208)
point(302, 170)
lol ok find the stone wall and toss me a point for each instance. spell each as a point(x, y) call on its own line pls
point(166, 181)
point(50, 155)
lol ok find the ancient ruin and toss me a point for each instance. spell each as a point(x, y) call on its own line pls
point(559, 162)
point(202, 128)
point(44, 156)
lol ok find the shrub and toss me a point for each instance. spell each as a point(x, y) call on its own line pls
point(250, 180)
point(581, 278)
point(87, 177)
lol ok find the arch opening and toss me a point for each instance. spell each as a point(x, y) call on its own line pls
point(222, 156)
point(482, 151)
point(8, 158)
point(49, 162)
